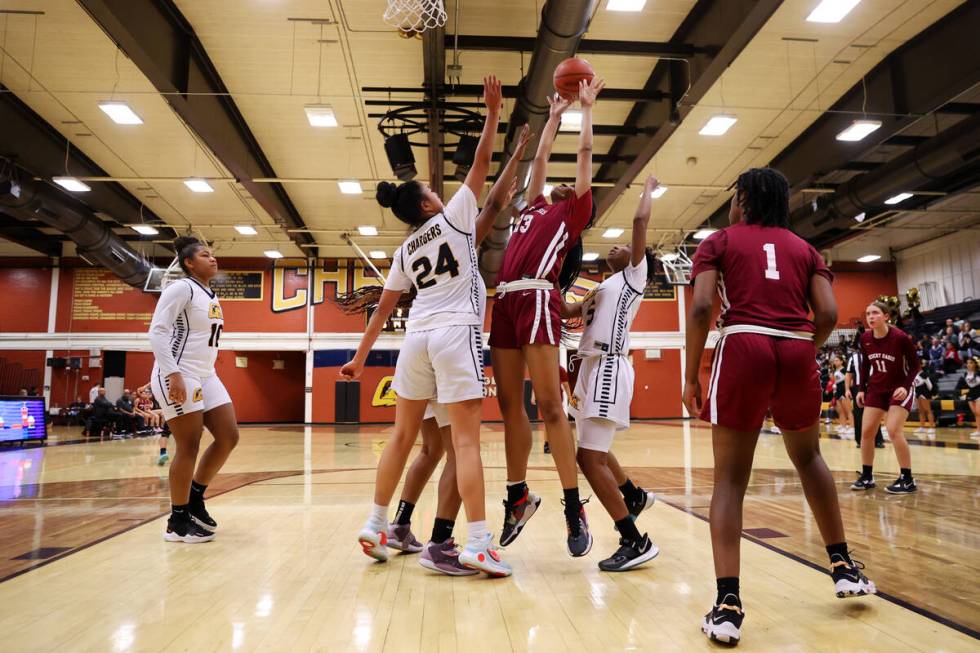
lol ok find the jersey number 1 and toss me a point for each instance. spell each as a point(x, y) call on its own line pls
point(445, 262)
point(771, 271)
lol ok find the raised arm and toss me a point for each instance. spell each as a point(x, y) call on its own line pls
point(493, 98)
point(587, 93)
point(503, 189)
point(640, 222)
point(389, 298)
point(539, 167)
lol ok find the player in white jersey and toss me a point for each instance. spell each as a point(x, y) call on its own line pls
point(442, 354)
point(184, 335)
point(604, 388)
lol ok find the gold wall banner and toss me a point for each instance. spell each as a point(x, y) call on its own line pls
point(660, 290)
point(239, 285)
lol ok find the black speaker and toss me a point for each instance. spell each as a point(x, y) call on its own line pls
point(400, 157)
point(75, 362)
point(347, 402)
point(115, 363)
point(464, 155)
point(57, 362)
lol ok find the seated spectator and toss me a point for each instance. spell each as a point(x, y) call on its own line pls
point(144, 408)
point(23, 392)
point(936, 354)
point(951, 359)
point(129, 421)
point(966, 331)
point(103, 415)
point(968, 348)
point(32, 391)
point(946, 327)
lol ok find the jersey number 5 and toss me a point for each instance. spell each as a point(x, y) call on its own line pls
point(445, 262)
point(771, 271)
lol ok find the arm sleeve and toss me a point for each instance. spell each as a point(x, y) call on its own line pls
point(911, 359)
point(173, 300)
point(461, 211)
point(397, 278)
point(636, 276)
point(820, 266)
point(709, 254)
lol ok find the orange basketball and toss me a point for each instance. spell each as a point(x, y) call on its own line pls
point(569, 73)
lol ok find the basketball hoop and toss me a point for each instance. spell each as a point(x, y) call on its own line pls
point(159, 278)
point(415, 16)
point(677, 266)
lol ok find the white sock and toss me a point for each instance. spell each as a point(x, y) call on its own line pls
point(478, 532)
point(379, 518)
point(509, 484)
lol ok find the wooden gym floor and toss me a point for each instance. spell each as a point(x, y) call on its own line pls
point(83, 565)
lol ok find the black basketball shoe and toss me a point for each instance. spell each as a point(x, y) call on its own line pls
point(199, 515)
point(902, 485)
point(864, 483)
point(848, 578)
point(630, 554)
point(724, 622)
point(182, 529)
point(517, 515)
point(641, 502)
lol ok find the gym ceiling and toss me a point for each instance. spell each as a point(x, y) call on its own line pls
point(223, 87)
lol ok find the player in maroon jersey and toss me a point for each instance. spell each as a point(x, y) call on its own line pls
point(768, 279)
point(889, 392)
point(525, 330)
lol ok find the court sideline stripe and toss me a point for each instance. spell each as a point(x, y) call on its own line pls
point(928, 614)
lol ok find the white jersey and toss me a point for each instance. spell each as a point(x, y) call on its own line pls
point(185, 330)
point(608, 312)
point(439, 259)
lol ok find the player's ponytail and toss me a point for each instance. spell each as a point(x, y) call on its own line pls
point(404, 200)
point(367, 298)
point(186, 247)
point(653, 265)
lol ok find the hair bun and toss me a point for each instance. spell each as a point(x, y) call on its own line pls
point(180, 242)
point(386, 194)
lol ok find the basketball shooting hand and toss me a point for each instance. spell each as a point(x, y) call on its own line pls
point(900, 394)
point(588, 91)
point(860, 400)
point(176, 390)
point(557, 105)
point(650, 184)
point(522, 140)
point(493, 95)
point(352, 370)
point(693, 397)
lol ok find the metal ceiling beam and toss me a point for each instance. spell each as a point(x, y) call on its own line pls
point(720, 29)
point(434, 64)
point(163, 45)
point(561, 157)
point(511, 91)
point(20, 234)
point(586, 46)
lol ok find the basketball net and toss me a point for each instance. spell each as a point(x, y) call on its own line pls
point(415, 15)
point(158, 279)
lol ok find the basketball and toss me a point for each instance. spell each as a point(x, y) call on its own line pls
point(569, 73)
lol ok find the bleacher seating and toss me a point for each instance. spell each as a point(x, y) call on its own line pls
point(13, 377)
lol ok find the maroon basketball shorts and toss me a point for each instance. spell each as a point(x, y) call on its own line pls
point(526, 317)
point(754, 373)
point(875, 398)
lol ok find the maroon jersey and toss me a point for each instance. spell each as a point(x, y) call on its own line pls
point(763, 277)
point(891, 360)
point(540, 236)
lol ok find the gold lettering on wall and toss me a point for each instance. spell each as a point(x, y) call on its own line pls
point(323, 276)
point(91, 284)
point(280, 302)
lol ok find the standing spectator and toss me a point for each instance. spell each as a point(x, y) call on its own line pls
point(130, 422)
point(969, 385)
point(93, 393)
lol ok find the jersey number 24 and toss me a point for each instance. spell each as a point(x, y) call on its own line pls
point(445, 262)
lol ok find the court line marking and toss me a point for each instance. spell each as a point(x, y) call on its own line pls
point(902, 603)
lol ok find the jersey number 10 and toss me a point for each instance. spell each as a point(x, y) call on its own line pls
point(215, 334)
point(445, 262)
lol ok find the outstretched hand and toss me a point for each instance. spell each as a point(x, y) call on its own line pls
point(522, 140)
point(588, 91)
point(493, 94)
point(650, 184)
point(557, 105)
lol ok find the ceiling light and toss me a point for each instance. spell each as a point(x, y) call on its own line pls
point(72, 184)
point(658, 192)
point(831, 11)
point(145, 229)
point(377, 253)
point(590, 256)
point(895, 199)
point(368, 230)
point(867, 258)
point(858, 130)
point(668, 257)
point(859, 217)
point(718, 125)
point(612, 232)
point(701, 234)
point(245, 230)
point(198, 185)
point(547, 189)
point(625, 5)
point(571, 121)
point(273, 253)
point(351, 187)
point(321, 115)
point(120, 113)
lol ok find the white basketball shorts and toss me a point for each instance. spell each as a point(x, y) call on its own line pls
point(445, 364)
point(202, 394)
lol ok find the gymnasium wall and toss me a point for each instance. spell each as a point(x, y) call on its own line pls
point(949, 265)
point(271, 303)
